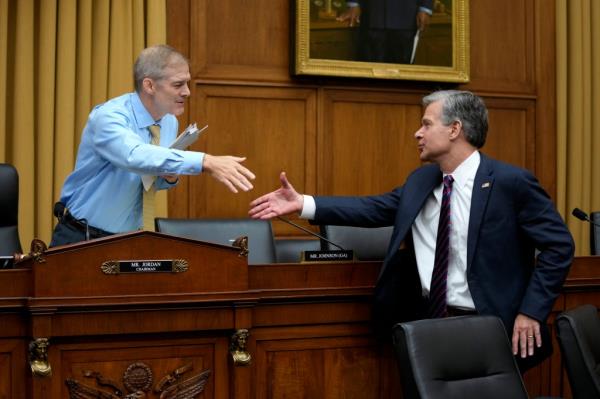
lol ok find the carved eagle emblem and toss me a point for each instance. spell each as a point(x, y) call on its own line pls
point(138, 382)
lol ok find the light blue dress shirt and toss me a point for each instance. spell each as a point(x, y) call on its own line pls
point(115, 151)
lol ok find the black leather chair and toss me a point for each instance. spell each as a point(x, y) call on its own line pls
point(367, 243)
point(261, 244)
point(578, 333)
point(595, 233)
point(9, 210)
point(457, 358)
point(290, 250)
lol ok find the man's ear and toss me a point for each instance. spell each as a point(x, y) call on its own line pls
point(148, 86)
point(455, 129)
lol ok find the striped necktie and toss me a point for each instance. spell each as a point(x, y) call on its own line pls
point(148, 195)
point(439, 276)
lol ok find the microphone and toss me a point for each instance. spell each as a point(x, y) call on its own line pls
point(309, 232)
point(581, 215)
point(338, 255)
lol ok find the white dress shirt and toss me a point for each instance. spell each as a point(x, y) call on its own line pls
point(424, 231)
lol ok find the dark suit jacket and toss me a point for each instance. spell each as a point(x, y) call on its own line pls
point(391, 14)
point(511, 216)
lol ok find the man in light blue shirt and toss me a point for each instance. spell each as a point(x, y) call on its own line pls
point(103, 195)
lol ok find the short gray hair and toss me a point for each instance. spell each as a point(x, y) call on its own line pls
point(465, 107)
point(152, 62)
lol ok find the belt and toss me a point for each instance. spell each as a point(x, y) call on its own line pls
point(452, 311)
point(82, 226)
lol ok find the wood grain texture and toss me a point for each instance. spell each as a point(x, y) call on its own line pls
point(349, 136)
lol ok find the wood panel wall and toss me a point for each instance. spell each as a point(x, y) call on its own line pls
point(336, 136)
point(348, 136)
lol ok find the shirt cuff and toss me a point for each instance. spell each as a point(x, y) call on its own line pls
point(191, 162)
point(425, 9)
point(201, 156)
point(309, 209)
point(352, 4)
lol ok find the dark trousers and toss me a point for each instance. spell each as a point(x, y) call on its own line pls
point(387, 45)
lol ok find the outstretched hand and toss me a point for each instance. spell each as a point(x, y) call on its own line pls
point(282, 201)
point(229, 171)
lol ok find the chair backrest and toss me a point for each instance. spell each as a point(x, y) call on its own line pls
point(457, 358)
point(595, 233)
point(367, 243)
point(261, 244)
point(578, 333)
point(290, 250)
point(9, 210)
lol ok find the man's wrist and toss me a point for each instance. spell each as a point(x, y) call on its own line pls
point(309, 207)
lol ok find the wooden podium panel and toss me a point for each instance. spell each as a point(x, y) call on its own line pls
point(13, 368)
point(259, 331)
point(76, 269)
point(338, 362)
point(136, 358)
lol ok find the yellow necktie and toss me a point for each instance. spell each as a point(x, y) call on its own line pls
point(148, 200)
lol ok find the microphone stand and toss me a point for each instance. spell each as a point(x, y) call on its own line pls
point(312, 233)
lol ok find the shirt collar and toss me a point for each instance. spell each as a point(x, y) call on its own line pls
point(464, 173)
point(143, 118)
point(467, 169)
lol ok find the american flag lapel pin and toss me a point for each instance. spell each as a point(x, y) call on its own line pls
point(485, 185)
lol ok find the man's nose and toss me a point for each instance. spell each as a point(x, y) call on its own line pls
point(186, 91)
point(418, 133)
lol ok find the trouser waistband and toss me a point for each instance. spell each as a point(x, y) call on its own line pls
point(81, 225)
point(64, 216)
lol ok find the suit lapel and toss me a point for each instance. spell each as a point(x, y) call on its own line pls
point(415, 193)
point(482, 187)
point(415, 196)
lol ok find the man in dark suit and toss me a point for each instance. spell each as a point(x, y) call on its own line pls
point(387, 27)
point(479, 231)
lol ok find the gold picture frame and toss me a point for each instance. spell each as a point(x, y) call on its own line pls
point(321, 30)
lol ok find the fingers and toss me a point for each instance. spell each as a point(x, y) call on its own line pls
point(515, 342)
point(526, 336)
point(171, 178)
point(527, 343)
point(230, 186)
point(283, 201)
point(522, 343)
point(262, 208)
point(235, 181)
point(265, 214)
point(246, 172)
point(228, 170)
point(258, 205)
point(538, 336)
point(264, 200)
point(241, 178)
point(284, 181)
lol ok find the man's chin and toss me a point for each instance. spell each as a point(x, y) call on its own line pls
point(178, 110)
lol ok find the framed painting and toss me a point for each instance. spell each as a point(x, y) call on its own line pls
point(424, 40)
